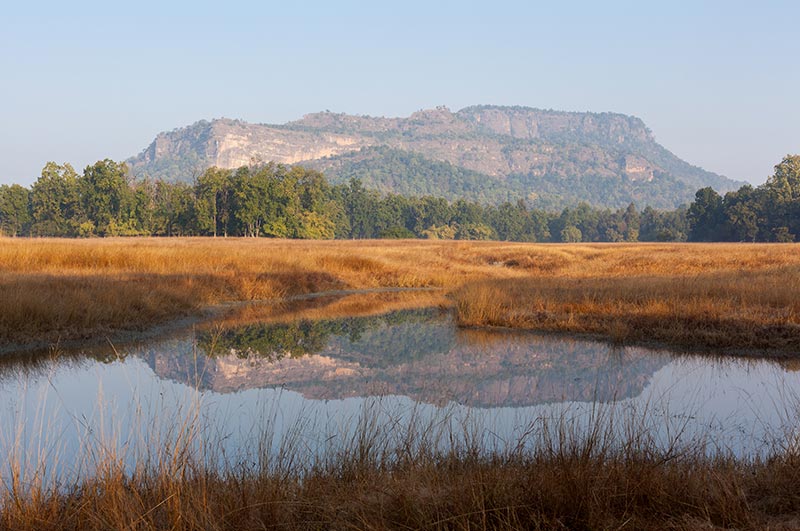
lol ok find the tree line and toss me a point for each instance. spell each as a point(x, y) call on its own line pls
point(274, 200)
point(766, 213)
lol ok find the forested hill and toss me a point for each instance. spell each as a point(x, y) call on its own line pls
point(484, 153)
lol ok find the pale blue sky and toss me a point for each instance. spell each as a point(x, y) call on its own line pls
point(717, 82)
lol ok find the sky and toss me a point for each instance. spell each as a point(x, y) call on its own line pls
point(716, 82)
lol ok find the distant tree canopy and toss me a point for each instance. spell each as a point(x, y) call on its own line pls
point(767, 213)
point(278, 201)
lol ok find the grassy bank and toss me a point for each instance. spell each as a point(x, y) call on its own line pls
point(66, 289)
point(595, 479)
point(742, 299)
point(736, 296)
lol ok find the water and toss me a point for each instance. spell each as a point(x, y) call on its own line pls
point(248, 389)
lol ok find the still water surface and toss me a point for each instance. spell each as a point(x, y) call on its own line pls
point(250, 388)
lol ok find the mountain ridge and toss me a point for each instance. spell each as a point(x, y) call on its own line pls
point(549, 158)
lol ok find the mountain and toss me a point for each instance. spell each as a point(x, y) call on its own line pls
point(484, 153)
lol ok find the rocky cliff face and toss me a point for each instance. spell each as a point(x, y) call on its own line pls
point(232, 143)
point(520, 149)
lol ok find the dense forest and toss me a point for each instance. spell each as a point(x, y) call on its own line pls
point(274, 200)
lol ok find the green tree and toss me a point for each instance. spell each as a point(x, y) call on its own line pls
point(663, 225)
point(335, 211)
point(15, 214)
point(314, 226)
point(105, 194)
point(742, 211)
point(632, 221)
point(360, 205)
point(250, 190)
point(706, 216)
point(571, 234)
point(783, 199)
point(392, 216)
point(173, 209)
point(142, 206)
point(312, 188)
point(785, 182)
point(213, 201)
point(508, 220)
point(56, 202)
point(467, 212)
point(474, 231)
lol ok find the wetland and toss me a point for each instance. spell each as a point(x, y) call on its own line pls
point(236, 383)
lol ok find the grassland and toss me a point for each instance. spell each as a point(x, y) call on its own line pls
point(726, 298)
point(737, 297)
point(55, 290)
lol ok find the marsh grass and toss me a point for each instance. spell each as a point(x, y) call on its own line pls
point(73, 289)
point(722, 296)
point(725, 300)
point(333, 306)
point(601, 471)
point(739, 312)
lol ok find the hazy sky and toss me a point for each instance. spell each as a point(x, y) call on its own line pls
point(717, 82)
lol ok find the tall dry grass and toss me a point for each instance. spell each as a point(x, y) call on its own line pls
point(743, 299)
point(66, 289)
point(62, 289)
point(420, 476)
point(714, 295)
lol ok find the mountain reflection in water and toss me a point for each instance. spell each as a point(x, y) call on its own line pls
point(294, 371)
point(415, 353)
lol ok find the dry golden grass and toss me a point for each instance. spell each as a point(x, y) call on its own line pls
point(734, 298)
point(65, 289)
point(737, 296)
point(595, 480)
point(332, 306)
point(451, 494)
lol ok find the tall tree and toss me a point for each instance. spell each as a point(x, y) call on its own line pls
point(632, 221)
point(705, 216)
point(743, 211)
point(213, 205)
point(105, 193)
point(173, 209)
point(509, 220)
point(14, 210)
point(56, 202)
point(360, 205)
point(783, 197)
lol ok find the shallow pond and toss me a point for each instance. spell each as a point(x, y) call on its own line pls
point(243, 390)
